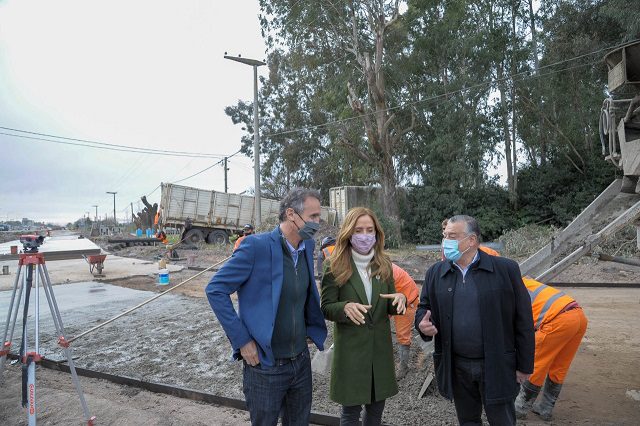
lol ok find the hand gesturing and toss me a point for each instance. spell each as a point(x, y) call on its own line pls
point(426, 326)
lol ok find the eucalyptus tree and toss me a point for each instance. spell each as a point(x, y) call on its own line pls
point(340, 54)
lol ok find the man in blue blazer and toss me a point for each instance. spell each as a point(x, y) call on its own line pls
point(278, 309)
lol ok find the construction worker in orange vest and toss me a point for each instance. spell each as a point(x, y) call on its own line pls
point(560, 325)
point(246, 231)
point(326, 248)
point(162, 236)
point(404, 323)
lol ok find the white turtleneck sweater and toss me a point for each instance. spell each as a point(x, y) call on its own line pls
point(362, 264)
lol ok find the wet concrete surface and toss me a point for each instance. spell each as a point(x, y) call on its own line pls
point(177, 340)
point(77, 270)
point(80, 304)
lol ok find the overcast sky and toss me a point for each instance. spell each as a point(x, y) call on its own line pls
point(138, 73)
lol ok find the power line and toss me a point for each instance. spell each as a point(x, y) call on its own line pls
point(197, 173)
point(207, 168)
point(102, 145)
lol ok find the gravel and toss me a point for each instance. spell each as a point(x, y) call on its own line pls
point(176, 340)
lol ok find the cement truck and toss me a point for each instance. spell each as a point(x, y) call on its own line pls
point(620, 114)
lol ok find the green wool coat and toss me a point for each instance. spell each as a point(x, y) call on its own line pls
point(363, 354)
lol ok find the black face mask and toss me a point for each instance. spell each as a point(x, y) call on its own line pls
point(308, 230)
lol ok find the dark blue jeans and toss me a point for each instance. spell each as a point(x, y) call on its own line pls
point(284, 388)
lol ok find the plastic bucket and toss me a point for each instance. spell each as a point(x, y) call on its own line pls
point(14, 249)
point(163, 277)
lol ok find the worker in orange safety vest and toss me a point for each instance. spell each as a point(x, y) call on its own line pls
point(246, 231)
point(404, 323)
point(559, 324)
point(162, 236)
point(326, 248)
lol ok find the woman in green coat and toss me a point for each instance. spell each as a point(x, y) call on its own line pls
point(358, 295)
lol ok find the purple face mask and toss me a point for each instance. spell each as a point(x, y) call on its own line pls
point(363, 243)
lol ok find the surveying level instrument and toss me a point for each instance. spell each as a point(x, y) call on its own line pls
point(36, 274)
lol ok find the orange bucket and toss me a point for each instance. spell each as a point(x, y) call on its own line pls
point(14, 249)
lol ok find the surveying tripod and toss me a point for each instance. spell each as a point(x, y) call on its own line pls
point(36, 272)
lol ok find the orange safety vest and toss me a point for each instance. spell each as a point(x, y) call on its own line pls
point(489, 251)
point(326, 252)
point(405, 284)
point(238, 241)
point(546, 301)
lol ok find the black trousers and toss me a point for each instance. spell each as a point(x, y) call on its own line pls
point(372, 414)
point(468, 383)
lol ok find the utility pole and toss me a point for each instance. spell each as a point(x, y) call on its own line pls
point(225, 174)
point(132, 216)
point(115, 220)
point(256, 133)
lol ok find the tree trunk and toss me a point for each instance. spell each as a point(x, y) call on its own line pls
point(514, 122)
point(506, 130)
point(380, 125)
point(534, 44)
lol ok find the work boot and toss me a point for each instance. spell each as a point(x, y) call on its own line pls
point(403, 367)
point(544, 406)
point(526, 398)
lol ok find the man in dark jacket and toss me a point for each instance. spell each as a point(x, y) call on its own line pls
point(479, 311)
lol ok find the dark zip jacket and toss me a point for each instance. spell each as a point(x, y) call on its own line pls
point(507, 325)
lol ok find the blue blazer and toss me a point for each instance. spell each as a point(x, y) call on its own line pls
point(255, 273)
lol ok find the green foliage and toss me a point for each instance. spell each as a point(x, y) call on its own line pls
point(391, 227)
point(555, 193)
point(480, 80)
point(428, 206)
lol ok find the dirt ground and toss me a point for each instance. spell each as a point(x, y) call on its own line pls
point(178, 341)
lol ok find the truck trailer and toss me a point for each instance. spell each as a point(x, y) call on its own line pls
point(213, 216)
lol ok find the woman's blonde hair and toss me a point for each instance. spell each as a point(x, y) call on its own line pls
point(340, 266)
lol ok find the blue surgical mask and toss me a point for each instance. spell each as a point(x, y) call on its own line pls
point(451, 250)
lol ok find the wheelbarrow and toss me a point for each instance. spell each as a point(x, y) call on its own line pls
point(96, 262)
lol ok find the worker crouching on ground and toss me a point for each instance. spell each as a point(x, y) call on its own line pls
point(560, 325)
point(404, 323)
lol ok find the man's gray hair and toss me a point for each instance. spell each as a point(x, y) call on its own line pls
point(471, 225)
point(295, 200)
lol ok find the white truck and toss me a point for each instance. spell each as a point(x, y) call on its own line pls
point(213, 216)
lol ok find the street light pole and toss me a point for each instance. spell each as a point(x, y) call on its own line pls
point(256, 133)
point(115, 220)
